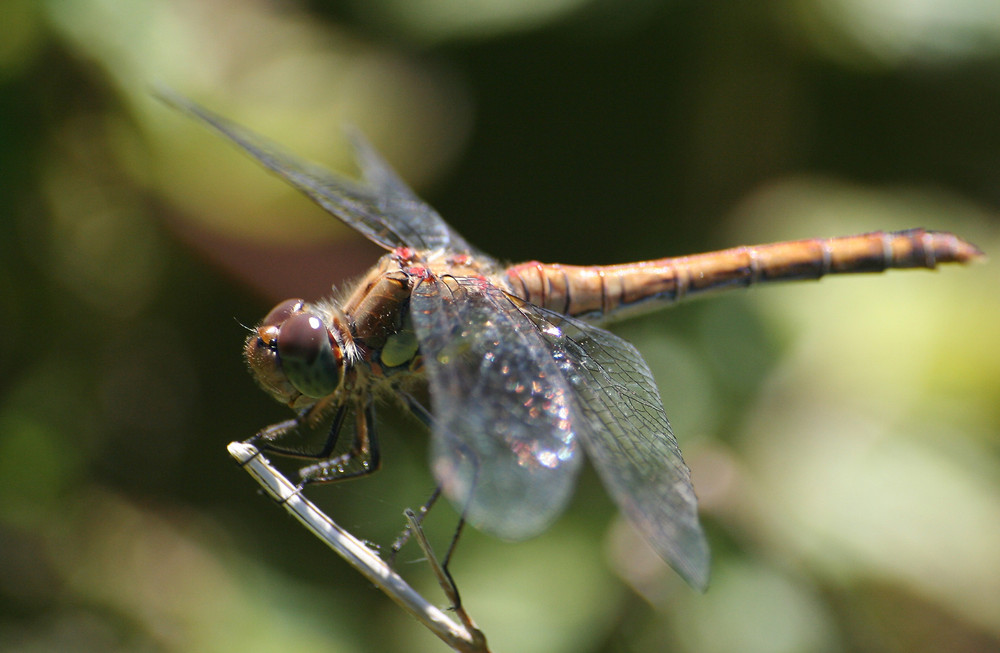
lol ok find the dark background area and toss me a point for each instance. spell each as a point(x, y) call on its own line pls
point(843, 437)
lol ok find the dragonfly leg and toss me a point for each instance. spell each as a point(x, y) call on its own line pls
point(268, 438)
point(427, 418)
point(421, 413)
point(444, 576)
point(454, 543)
point(417, 409)
point(361, 459)
point(263, 439)
point(418, 519)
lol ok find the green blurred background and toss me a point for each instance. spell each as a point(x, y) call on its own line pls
point(843, 436)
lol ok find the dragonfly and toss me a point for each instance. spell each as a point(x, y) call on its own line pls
point(523, 382)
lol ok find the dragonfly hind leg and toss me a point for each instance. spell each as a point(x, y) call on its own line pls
point(416, 522)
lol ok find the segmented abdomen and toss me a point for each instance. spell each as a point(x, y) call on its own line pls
point(611, 289)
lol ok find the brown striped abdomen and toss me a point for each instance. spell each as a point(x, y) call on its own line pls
point(611, 289)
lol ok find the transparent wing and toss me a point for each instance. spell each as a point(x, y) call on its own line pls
point(415, 220)
point(503, 444)
point(385, 210)
point(628, 438)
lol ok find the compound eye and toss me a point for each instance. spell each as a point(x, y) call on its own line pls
point(307, 356)
point(267, 331)
point(301, 338)
point(282, 312)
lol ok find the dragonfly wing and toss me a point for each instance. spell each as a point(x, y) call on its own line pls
point(386, 211)
point(503, 446)
point(628, 438)
point(414, 218)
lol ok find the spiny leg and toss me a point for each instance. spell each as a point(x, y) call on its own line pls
point(266, 439)
point(414, 527)
point(361, 459)
point(418, 519)
point(421, 413)
point(415, 520)
point(453, 544)
point(444, 577)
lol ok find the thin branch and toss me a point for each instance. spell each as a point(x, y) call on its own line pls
point(359, 556)
point(444, 577)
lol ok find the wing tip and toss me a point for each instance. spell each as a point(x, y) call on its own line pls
point(694, 563)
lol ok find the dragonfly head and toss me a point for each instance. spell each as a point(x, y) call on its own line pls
point(294, 355)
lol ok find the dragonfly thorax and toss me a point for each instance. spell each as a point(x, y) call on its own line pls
point(295, 355)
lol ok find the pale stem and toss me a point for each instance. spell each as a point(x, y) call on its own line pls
point(358, 555)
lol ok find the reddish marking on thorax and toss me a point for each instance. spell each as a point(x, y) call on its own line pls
point(404, 254)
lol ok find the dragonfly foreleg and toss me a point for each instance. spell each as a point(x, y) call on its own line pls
point(361, 459)
point(267, 439)
point(262, 439)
